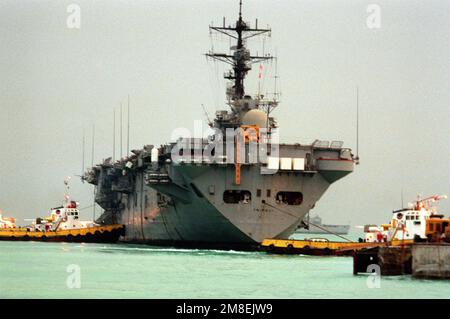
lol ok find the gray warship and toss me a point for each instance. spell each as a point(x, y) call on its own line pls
point(230, 190)
point(314, 226)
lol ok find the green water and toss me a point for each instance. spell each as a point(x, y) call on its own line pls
point(39, 270)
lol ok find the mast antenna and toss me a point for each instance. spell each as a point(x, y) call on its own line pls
point(275, 93)
point(121, 122)
point(92, 165)
point(114, 135)
point(93, 143)
point(401, 194)
point(240, 9)
point(128, 126)
point(357, 126)
point(83, 152)
point(240, 59)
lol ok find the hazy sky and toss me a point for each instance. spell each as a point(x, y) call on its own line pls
point(56, 81)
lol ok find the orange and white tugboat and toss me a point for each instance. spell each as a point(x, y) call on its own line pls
point(62, 225)
point(419, 222)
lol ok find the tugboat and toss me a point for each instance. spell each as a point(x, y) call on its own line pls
point(410, 226)
point(420, 222)
point(62, 225)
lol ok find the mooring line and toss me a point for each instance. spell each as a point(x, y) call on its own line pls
point(324, 229)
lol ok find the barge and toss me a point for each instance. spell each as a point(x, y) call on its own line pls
point(321, 247)
point(93, 234)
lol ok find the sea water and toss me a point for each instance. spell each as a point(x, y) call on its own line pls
point(71, 270)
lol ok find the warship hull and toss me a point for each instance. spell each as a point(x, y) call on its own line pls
point(206, 220)
point(187, 206)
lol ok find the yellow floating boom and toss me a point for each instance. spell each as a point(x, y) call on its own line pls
point(107, 233)
point(322, 247)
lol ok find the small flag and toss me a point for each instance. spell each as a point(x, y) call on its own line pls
point(260, 71)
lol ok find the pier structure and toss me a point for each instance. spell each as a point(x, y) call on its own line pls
point(431, 260)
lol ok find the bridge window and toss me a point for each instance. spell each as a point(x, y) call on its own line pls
point(237, 197)
point(289, 198)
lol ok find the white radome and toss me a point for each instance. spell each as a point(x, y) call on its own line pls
point(255, 118)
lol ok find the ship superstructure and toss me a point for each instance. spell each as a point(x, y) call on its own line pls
point(232, 189)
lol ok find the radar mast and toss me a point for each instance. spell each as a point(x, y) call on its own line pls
point(241, 62)
point(241, 59)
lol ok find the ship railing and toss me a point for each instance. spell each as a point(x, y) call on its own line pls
point(321, 144)
point(327, 144)
point(336, 144)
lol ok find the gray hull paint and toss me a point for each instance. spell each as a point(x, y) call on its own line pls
point(175, 222)
point(207, 219)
